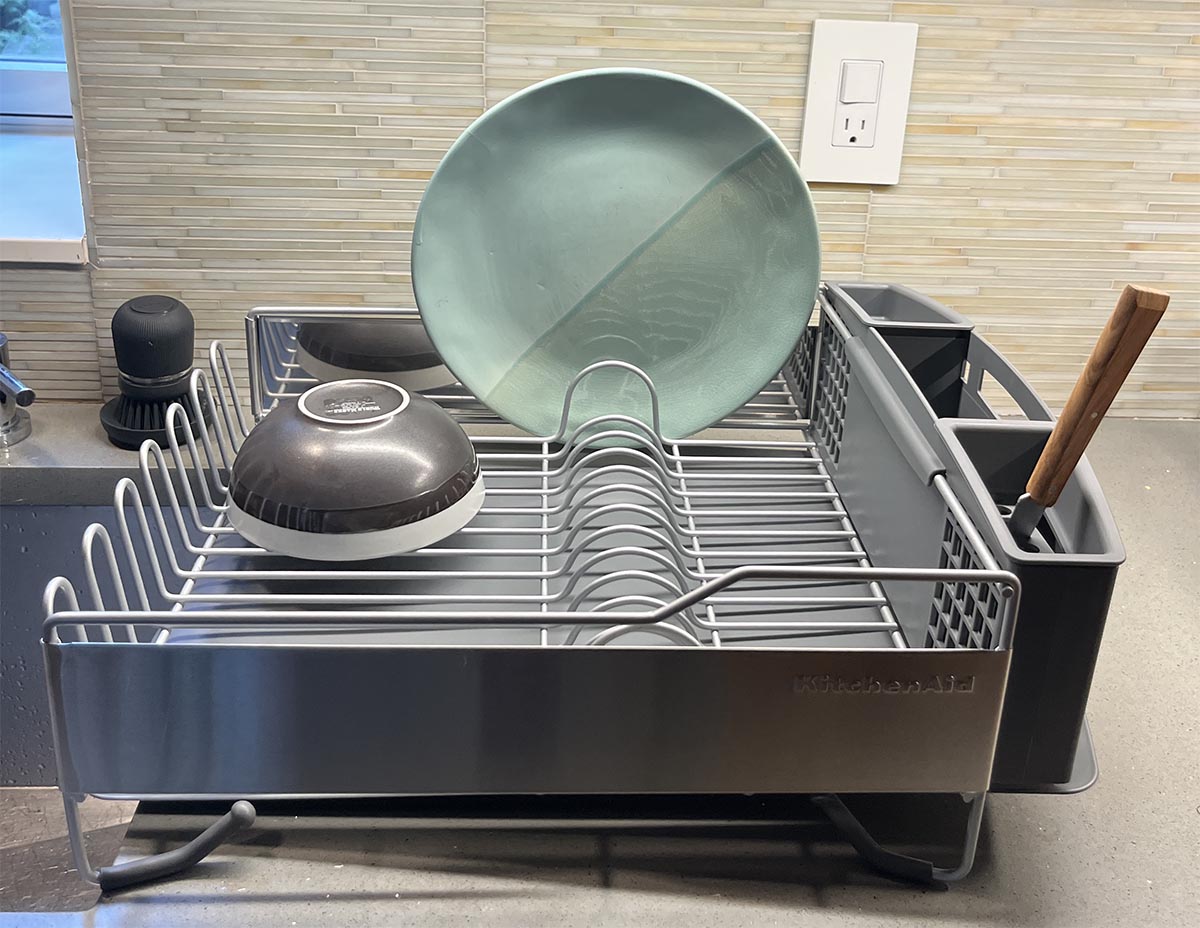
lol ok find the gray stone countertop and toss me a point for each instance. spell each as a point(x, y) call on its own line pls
point(67, 460)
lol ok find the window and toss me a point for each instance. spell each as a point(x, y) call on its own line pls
point(41, 210)
point(33, 61)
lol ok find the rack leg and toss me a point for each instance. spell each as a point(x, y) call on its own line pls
point(154, 866)
point(902, 865)
point(79, 853)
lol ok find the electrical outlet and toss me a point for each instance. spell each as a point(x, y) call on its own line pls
point(856, 104)
point(854, 125)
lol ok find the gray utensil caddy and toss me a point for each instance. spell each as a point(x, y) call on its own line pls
point(845, 582)
point(933, 366)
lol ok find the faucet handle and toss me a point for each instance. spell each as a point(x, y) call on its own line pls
point(10, 384)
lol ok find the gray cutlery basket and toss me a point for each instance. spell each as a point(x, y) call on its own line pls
point(922, 369)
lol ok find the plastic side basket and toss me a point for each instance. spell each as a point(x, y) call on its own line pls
point(932, 367)
point(1067, 589)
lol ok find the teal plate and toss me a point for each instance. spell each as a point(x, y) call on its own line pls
point(616, 214)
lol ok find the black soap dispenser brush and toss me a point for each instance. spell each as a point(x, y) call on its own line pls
point(153, 338)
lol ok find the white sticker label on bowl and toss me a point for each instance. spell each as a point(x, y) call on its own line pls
point(353, 401)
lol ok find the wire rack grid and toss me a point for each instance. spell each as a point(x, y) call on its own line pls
point(607, 533)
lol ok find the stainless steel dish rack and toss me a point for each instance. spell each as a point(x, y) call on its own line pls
point(824, 607)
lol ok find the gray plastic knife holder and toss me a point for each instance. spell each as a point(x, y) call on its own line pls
point(910, 373)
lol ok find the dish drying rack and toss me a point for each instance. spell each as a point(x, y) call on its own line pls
point(627, 614)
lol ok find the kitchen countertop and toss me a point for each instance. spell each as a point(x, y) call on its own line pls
point(1124, 852)
point(67, 459)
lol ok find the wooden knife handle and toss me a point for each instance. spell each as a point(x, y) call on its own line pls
point(1128, 329)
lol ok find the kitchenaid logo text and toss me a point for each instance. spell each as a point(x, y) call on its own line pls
point(829, 683)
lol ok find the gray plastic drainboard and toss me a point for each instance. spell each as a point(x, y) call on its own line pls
point(610, 541)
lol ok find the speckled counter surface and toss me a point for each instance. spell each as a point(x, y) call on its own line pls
point(67, 460)
point(1123, 853)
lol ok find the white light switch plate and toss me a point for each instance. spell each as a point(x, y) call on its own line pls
point(857, 142)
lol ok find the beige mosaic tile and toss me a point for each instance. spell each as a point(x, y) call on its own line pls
point(269, 152)
point(47, 315)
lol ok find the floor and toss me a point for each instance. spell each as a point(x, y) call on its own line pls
point(1125, 852)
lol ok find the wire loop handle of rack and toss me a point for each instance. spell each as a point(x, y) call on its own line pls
point(603, 532)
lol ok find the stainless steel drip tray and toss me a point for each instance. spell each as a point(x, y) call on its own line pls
point(241, 720)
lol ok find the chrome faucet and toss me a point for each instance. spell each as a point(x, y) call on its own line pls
point(15, 424)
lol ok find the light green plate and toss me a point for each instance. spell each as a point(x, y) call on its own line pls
point(616, 214)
